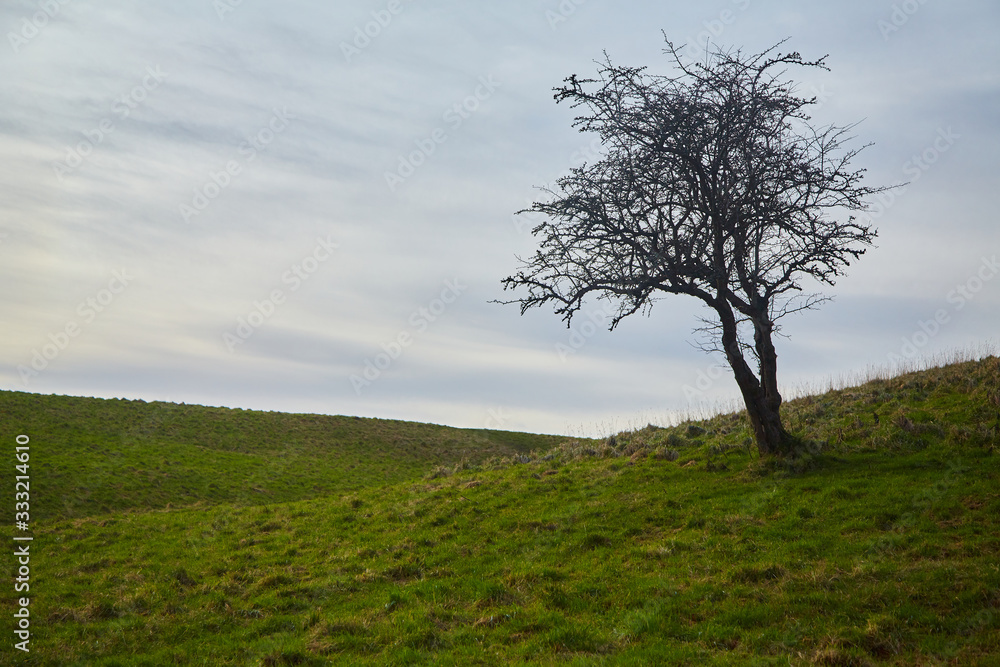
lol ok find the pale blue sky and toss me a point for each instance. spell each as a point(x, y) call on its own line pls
point(289, 201)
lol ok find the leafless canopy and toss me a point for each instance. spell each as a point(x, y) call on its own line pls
point(714, 184)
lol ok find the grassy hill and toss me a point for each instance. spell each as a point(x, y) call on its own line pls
point(879, 544)
point(96, 456)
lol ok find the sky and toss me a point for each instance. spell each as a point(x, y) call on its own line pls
point(309, 206)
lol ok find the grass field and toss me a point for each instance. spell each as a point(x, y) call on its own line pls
point(172, 534)
point(97, 456)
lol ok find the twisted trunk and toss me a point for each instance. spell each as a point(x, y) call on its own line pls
point(769, 416)
point(760, 395)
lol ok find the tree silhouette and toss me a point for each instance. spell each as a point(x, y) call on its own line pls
point(714, 184)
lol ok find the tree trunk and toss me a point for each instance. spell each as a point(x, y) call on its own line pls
point(770, 415)
point(771, 436)
point(763, 411)
point(760, 396)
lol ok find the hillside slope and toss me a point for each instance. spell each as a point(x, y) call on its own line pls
point(878, 545)
point(94, 456)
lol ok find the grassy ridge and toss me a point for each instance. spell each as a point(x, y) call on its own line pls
point(96, 456)
point(598, 562)
point(878, 545)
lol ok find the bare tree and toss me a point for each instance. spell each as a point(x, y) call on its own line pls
point(714, 184)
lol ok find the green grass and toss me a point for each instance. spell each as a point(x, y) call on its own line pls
point(878, 544)
point(97, 456)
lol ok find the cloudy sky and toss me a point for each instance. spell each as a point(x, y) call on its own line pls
point(308, 206)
